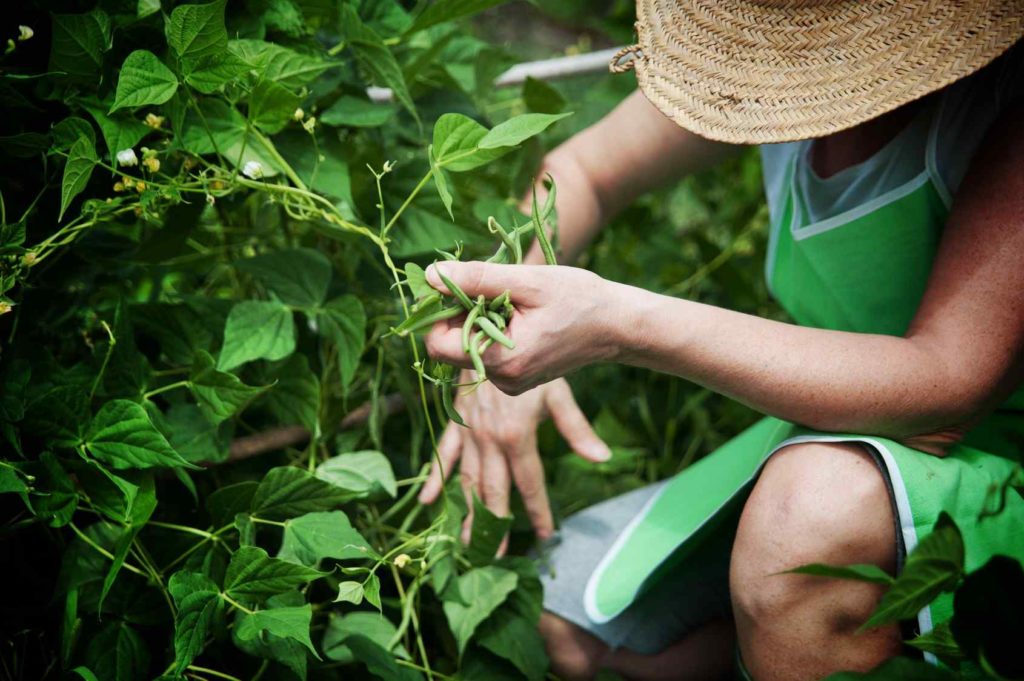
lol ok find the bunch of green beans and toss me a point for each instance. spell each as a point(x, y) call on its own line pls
point(486, 320)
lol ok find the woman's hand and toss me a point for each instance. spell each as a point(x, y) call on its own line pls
point(564, 319)
point(500, 447)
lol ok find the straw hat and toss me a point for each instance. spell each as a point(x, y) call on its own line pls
point(756, 71)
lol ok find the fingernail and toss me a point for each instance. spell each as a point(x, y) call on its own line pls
point(600, 452)
point(433, 269)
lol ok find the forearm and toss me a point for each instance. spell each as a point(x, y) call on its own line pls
point(633, 150)
point(903, 388)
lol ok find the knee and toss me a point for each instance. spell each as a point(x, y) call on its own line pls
point(813, 503)
point(575, 654)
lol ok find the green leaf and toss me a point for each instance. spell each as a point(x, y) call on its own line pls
point(363, 474)
point(119, 131)
point(441, 183)
point(84, 673)
point(142, 507)
point(540, 97)
point(271, 106)
point(447, 10)
point(374, 56)
point(210, 74)
point(287, 622)
point(350, 592)
point(118, 653)
point(295, 397)
point(122, 435)
point(287, 651)
point(898, 669)
point(287, 491)
point(934, 566)
point(416, 278)
point(298, 276)
point(192, 435)
point(78, 44)
point(143, 80)
point(483, 589)
point(372, 625)
point(517, 640)
point(65, 133)
point(314, 536)
point(424, 233)
point(198, 603)
point(77, 171)
point(456, 142)
point(326, 173)
point(257, 330)
point(379, 661)
point(143, 8)
point(197, 31)
point(860, 573)
point(281, 65)
point(487, 532)
point(253, 575)
point(517, 130)
point(226, 502)
point(220, 395)
point(371, 590)
point(357, 113)
point(939, 641)
point(343, 321)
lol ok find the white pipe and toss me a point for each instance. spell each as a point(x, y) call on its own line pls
point(543, 69)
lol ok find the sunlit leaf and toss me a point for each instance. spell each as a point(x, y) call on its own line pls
point(143, 80)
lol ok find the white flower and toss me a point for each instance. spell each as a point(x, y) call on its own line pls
point(309, 123)
point(252, 170)
point(388, 166)
point(299, 114)
point(127, 157)
point(25, 32)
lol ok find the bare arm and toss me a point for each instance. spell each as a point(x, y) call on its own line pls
point(632, 150)
point(963, 354)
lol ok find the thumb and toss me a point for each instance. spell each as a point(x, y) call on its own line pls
point(573, 425)
point(478, 278)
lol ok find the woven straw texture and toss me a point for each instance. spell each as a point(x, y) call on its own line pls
point(752, 72)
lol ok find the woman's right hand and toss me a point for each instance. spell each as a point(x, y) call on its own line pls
point(500, 447)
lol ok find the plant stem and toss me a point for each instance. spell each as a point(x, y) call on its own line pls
point(256, 519)
point(181, 528)
point(107, 554)
point(285, 166)
point(408, 200)
point(236, 604)
point(212, 672)
point(106, 359)
point(166, 388)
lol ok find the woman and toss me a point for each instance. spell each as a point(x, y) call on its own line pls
point(896, 197)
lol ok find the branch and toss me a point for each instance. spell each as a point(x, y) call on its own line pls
point(291, 436)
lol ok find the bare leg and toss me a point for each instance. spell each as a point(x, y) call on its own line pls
point(814, 503)
point(704, 655)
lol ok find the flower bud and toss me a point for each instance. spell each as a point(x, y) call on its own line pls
point(25, 33)
point(127, 157)
point(299, 114)
point(154, 121)
point(309, 124)
point(401, 560)
point(152, 164)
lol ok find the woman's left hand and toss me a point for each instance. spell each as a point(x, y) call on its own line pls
point(564, 319)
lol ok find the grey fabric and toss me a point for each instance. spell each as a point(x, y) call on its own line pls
point(687, 596)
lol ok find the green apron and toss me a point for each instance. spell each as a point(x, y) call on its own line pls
point(863, 271)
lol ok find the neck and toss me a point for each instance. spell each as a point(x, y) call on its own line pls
point(847, 148)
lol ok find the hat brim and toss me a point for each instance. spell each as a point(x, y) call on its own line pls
point(759, 72)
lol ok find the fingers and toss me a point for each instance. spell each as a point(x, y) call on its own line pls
point(573, 424)
point(528, 474)
point(444, 343)
point(469, 479)
point(476, 278)
point(495, 483)
point(448, 450)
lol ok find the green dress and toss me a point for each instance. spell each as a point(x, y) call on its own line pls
point(864, 271)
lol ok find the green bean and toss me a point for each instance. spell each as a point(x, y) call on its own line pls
point(467, 327)
point(413, 324)
point(459, 294)
point(500, 301)
point(488, 327)
point(474, 356)
point(538, 228)
point(449, 405)
point(498, 320)
point(510, 243)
